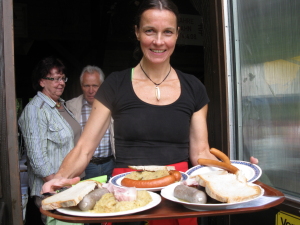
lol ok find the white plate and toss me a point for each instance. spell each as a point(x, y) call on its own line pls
point(74, 211)
point(168, 193)
point(251, 171)
point(116, 180)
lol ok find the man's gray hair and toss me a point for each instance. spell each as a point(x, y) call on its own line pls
point(92, 69)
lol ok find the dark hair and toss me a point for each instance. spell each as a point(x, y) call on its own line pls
point(43, 68)
point(156, 4)
point(153, 4)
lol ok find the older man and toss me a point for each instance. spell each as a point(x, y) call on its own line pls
point(102, 162)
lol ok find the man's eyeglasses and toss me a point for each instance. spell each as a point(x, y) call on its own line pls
point(57, 79)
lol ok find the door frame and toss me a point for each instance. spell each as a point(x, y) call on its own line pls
point(10, 188)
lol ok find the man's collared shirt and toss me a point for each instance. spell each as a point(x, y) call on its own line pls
point(104, 148)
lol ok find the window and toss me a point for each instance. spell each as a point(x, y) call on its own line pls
point(264, 60)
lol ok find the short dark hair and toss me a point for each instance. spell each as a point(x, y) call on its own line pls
point(43, 68)
point(152, 4)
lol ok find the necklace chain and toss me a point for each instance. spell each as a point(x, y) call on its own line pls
point(152, 80)
point(157, 90)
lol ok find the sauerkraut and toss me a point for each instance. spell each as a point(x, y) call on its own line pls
point(109, 204)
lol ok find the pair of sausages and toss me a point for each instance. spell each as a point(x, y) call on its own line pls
point(159, 182)
point(225, 164)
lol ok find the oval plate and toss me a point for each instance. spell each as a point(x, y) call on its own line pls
point(251, 171)
point(168, 193)
point(74, 211)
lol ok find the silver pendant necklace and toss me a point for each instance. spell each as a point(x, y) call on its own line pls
point(157, 90)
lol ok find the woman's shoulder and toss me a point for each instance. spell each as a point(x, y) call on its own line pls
point(119, 74)
point(37, 104)
point(117, 78)
point(36, 101)
point(189, 78)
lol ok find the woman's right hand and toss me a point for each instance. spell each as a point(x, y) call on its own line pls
point(57, 183)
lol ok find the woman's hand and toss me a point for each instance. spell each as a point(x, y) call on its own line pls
point(57, 183)
point(253, 160)
point(48, 178)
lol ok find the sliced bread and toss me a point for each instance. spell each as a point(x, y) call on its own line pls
point(152, 168)
point(202, 178)
point(227, 188)
point(71, 196)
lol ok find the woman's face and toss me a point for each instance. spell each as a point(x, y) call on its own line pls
point(53, 88)
point(157, 34)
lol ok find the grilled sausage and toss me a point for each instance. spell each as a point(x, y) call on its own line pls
point(159, 182)
point(209, 162)
point(220, 155)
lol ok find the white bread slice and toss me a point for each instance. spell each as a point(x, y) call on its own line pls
point(71, 196)
point(227, 188)
point(202, 178)
point(152, 168)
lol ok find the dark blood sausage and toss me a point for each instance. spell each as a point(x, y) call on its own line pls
point(190, 194)
point(89, 201)
point(159, 182)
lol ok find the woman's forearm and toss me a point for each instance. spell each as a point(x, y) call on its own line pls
point(77, 159)
point(74, 163)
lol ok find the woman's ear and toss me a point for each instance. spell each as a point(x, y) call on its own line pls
point(136, 30)
point(42, 84)
point(178, 29)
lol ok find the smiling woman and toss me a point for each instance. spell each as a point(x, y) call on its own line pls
point(159, 112)
point(48, 127)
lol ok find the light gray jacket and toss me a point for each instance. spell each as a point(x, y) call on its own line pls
point(75, 105)
point(48, 139)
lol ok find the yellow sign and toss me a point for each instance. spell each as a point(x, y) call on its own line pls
point(283, 218)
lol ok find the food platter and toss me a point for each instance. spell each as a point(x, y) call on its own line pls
point(168, 193)
point(116, 180)
point(74, 211)
point(251, 171)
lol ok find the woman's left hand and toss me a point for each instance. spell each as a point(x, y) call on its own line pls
point(253, 160)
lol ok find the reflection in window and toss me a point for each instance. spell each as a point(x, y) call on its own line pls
point(267, 82)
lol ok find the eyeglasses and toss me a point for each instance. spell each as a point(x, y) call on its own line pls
point(57, 79)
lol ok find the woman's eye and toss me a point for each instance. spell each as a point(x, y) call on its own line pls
point(168, 32)
point(149, 31)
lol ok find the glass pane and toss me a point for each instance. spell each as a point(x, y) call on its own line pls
point(267, 83)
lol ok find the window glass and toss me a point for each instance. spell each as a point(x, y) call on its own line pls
point(266, 67)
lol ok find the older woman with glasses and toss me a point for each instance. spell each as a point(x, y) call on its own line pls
point(49, 129)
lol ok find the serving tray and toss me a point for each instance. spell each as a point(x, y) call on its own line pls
point(170, 210)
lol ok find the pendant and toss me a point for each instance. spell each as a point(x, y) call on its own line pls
point(58, 105)
point(157, 93)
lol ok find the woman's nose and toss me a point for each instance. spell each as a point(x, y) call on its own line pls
point(158, 40)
